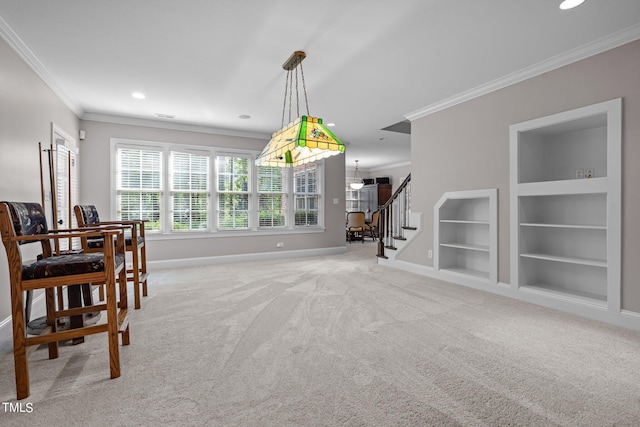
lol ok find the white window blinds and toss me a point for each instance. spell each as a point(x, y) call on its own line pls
point(189, 191)
point(139, 185)
point(272, 206)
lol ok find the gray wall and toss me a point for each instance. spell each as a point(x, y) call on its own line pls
point(95, 178)
point(27, 109)
point(467, 147)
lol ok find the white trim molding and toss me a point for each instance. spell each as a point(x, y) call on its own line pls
point(38, 67)
point(137, 121)
point(603, 44)
point(259, 256)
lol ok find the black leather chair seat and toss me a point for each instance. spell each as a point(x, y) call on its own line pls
point(65, 265)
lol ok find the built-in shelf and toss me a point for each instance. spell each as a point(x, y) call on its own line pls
point(456, 221)
point(469, 272)
point(481, 248)
point(565, 204)
point(579, 226)
point(577, 295)
point(466, 233)
point(571, 260)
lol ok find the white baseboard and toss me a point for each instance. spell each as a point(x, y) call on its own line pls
point(37, 310)
point(624, 318)
point(260, 256)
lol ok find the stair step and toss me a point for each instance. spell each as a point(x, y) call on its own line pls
point(393, 248)
point(399, 238)
point(382, 256)
point(409, 228)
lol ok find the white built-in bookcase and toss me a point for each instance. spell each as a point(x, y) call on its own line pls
point(565, 185)
point(465, 233)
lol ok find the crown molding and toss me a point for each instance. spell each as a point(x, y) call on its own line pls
point(27, 55)
point(135, 121)
point(387, 167)
point(603, 44)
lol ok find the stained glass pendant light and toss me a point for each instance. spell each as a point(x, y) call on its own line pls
point(304, 140)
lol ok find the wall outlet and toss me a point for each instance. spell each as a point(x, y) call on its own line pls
point(589, 173)
point(579, 173)
point(336, 201)
point(280, 245)
point(430, 254)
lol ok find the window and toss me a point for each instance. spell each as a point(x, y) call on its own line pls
point(181, 189)
point(233, 192)
point(306, 195)
point(139, 186)
point(352, 198)
point(272, 206)
point(189, 191)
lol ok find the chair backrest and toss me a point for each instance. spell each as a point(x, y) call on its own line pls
point(355, 219)
point(86, 214)
point(22, 219)
point(374, 218)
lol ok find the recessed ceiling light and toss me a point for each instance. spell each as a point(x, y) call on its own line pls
point(331, 124)
point(138, 95)
point(165, 116)
point(570, 4)
point(244, 116)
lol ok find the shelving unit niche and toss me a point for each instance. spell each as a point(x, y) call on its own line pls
point(465, 233)
point(565, 204)
point(556, 152)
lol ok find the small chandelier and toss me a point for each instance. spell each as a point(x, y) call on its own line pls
point(357, 183)
point(304, 140)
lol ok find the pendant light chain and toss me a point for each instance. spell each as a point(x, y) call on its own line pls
point(284, 104)
point(288, 90)
point(290, 93)
point(297, 96)
point(304, 88)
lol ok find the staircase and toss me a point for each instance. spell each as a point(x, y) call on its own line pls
point(397, 225)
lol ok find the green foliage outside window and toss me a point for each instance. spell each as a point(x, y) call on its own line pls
point(233, 197)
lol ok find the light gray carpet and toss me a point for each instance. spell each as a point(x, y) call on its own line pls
point(336, 341)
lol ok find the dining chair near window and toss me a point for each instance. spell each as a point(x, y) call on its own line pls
point(23, 223)
point(355, 225)
point(87, 216)
point(371, 227)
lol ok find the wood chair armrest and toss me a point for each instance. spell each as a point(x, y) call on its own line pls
point(134, 223)
point(89, 227)
point(103, 232)
point(123, 222)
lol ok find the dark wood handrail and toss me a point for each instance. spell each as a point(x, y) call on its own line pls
point(397, 192)
point(385, 218)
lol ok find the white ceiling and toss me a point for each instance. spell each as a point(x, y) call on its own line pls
point(369, 62)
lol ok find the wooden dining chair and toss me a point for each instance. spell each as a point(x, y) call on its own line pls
point(355, 225)
point(23, 223)
point(87, 216)
point(371, 227)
